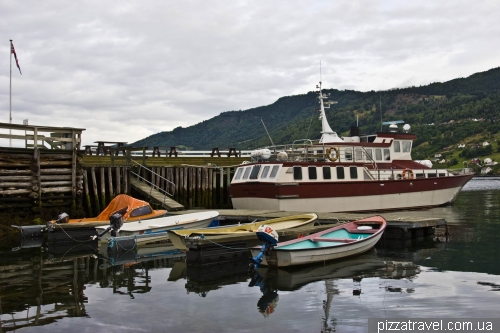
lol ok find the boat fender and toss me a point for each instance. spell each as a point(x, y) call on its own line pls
point(332, 154)
point(407, 174)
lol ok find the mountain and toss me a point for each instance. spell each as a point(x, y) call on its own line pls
point(441, 114)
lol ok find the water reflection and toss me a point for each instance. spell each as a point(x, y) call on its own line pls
point(369, 265)
point(40, 285)
point(49, 288)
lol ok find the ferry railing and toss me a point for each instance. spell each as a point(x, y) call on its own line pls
point(152, 186)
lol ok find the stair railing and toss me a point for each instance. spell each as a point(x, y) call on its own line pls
point(152, 186)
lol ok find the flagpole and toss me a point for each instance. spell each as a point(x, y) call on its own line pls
point(10, 94)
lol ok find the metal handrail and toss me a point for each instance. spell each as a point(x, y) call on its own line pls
point(138, 174)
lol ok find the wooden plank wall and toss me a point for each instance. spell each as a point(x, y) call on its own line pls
point(37, 179)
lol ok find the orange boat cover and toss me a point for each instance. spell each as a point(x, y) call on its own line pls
point(121, 202)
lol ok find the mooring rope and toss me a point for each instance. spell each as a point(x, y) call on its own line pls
point(76, 240)
point(227, 247)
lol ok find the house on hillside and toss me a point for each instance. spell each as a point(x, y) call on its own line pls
point(486, 170)
point(489, 161)
point(476, 161)
point(486, 144)
point(462, 145)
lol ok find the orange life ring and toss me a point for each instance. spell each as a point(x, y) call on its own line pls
point(332, 157)
point(407, 174)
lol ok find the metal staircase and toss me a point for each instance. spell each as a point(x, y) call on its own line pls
point(154, 192)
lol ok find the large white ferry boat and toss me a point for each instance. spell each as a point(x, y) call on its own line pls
point(343, 174)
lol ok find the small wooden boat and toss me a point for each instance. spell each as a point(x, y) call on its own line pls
point(240, 231)
point(346, 240)
point(162, 224)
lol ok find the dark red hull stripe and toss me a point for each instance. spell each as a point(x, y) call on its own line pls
point(305, 190)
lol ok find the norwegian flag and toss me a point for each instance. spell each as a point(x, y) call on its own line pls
point(13, 51)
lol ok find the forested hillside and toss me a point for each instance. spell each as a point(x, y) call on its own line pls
point(442, 115)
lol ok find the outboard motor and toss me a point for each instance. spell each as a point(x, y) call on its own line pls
point(269, 236)
point(61, 219)
point(115, 223)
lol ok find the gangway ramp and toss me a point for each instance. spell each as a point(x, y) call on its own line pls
point(156, 196)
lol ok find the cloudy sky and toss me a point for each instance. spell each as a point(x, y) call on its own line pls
point(124, 70)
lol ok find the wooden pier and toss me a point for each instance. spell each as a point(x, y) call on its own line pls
point(47, 172)
point(402, 227)
point(52, 174)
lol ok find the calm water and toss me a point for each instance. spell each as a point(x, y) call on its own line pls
point(56, 290)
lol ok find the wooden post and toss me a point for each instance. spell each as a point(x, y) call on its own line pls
point(198, 187)
point(154, 177)
point(221, 185)
point(96, 195)
point(191, 186)
point(205, 187)
point(162, 179)
point(118, 180)
point(177, 182)
point(202, 188)
point(110, 184)
point(185, 198)
point(181, 185)
point(126, 175)
point(86, 193)
point(210, 187)
point(103, 188)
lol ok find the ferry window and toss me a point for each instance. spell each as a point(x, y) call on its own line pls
point(397, 147)
point(238, 173)
point(430, 175)
point(265, 171)
point(358, 154)
point(348, 154)
point(274, 171)
point(141, 211)
point(387, 154)
point(312, 172)
point(369, 153)
point(340, 172)
point(297, 172)
point(406, 146)
point(327, 173)
point(247, 172)
point(255, 172)
point(353, 172)
point(442, 175)
point(420, 175)
point(378, 154)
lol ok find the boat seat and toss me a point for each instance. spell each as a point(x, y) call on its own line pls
point(338, 240)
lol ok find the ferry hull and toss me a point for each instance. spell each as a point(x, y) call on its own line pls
point(348, 196)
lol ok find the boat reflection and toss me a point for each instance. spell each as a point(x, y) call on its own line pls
point(40, 285)
point(272, 280)
point(204, 278)
point(359, 267)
